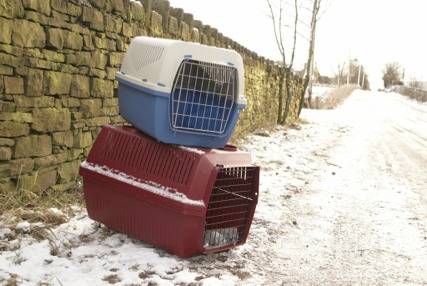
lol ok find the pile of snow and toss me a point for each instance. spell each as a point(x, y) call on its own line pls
point(137, 2)
point(24, 226)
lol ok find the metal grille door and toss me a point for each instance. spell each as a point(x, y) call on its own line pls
point(203, 96)
point(231, 207)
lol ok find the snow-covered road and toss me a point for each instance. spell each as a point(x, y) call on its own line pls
point(343, 201)
point(363, 221)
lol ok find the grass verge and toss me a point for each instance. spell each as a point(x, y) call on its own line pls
point(335, 98)
point(12, 200)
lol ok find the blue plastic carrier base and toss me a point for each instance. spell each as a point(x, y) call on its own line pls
point(150, 111)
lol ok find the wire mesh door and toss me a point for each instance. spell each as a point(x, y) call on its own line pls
point(231, 207)
point(203, 97)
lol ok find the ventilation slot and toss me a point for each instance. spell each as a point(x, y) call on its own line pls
point(150, 55)
point(149, 157)
point(203, 96)
point(231, 206)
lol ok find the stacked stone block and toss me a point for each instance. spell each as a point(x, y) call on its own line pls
point(58, 60)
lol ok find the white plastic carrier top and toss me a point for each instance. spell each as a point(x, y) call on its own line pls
point(153, 62)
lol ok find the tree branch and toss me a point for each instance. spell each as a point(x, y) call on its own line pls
point(295, 35)
point(281, 33)
point(273, 18)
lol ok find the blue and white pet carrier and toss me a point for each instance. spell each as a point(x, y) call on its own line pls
point(181, 93)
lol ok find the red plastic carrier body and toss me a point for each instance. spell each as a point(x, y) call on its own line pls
point(184, 200)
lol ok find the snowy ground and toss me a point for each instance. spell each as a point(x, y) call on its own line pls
point(343, 201)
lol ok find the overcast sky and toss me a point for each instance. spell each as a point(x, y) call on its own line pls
point(374, 31)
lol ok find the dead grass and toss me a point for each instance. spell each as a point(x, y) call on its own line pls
point(112, 279)
point(18, 199)
point(42, 222)
point(38, 209)
point(12, 281)
point(334, 99)
point(48, 216)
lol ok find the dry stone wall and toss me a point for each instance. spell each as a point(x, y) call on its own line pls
point(58, 61)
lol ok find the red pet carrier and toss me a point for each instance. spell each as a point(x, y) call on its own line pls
point(186, 201)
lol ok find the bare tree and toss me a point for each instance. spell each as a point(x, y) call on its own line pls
point(392, 74)
point(285, 75)
point(313, 25)
point(414, 83)
point(339, 75)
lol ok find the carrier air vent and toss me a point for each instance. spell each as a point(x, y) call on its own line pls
point(149, 55)
point(150, 157)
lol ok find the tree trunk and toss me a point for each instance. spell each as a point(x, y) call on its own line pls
point(279, 114)
point(310, 83)
point(288, 96)
point(304, 89)
point(310, 54)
